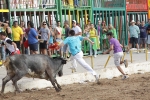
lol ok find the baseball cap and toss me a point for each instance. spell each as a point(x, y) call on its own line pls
point(15, 20)
point(74, 21)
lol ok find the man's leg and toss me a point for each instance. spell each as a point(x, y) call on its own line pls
point(3, 53)
point(117, 61)
point(73, 62)
point(81, 61)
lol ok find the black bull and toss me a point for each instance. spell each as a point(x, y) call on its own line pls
point(37, 66)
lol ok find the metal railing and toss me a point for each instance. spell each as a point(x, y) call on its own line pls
point(108, 3)
point(29, 4)
point(80, 3)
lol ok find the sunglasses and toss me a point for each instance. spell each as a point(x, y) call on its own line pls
point(44, 24)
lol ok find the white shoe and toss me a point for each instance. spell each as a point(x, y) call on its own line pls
point(95, 56)
point(125, 77)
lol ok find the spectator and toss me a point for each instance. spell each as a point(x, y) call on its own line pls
point(17, 34)
point(76, 28)
point(143, 35)
point(32, 38)
point(134, 31)
point(138, 24)
point(51, 40)
point(104, 31)
point(9, 44)
point(148, 23)
point(93, 38)
point(99, 28)
point(148, 37)
point(65, 47)
point(76, 4)
point(45, 36)
point(7, 29)
point(113, 30)
point(58, 37)
point(22, 25)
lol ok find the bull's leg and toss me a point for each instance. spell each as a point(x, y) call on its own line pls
point(57, 84)
point(4, 81)
point(15, 79)
point(52, 80)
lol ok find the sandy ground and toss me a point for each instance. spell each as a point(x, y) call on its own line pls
point(137, 87)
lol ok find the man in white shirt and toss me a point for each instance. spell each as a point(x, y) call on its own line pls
point(76, 28)
point(78, 32)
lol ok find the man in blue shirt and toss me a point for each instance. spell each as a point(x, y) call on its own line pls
point(74, 43)
point(32, 38)
point(143, 35)
point(134, 31)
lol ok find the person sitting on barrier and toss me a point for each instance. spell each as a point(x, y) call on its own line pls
point(118, 53)
point(74, 43)
point(143, 35)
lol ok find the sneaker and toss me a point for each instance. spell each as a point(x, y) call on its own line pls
point(95, 56)
point(73, 69)
point(97, 77)
point(125, 77)
point(126, 63)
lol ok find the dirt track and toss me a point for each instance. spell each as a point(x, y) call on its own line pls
point(137, 87)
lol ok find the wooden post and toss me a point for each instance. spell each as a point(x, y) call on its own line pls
point(107, 61)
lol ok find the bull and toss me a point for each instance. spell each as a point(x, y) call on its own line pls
point(37, 66)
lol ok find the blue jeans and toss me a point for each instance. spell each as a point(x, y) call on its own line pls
point(75, 2)
point(3, 53)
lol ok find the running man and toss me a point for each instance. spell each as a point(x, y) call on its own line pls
point(118, 53)
point(74, 43)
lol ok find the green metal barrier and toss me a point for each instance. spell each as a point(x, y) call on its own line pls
point(112, 12)
point(141, 16)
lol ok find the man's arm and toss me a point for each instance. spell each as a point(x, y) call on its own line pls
point(111, 48)
point(21, 35)
point(80, 33)
point(15, 46)
point(85, 38)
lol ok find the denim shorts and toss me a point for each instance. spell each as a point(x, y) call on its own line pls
point(34, 47)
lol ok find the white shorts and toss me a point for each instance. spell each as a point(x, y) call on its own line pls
point(117, 58)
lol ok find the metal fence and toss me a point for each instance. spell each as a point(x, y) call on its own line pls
point(108, 3)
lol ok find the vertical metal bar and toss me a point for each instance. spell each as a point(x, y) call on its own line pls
point(82, 19)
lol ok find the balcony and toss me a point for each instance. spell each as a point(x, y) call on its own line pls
point(4, 6)
point(103, 4)
point(80, 4)
point(32, 4)
point(136, 5)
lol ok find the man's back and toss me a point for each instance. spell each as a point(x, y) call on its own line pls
point(74, 43)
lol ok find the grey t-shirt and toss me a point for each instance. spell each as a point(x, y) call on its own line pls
point(44, 33)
